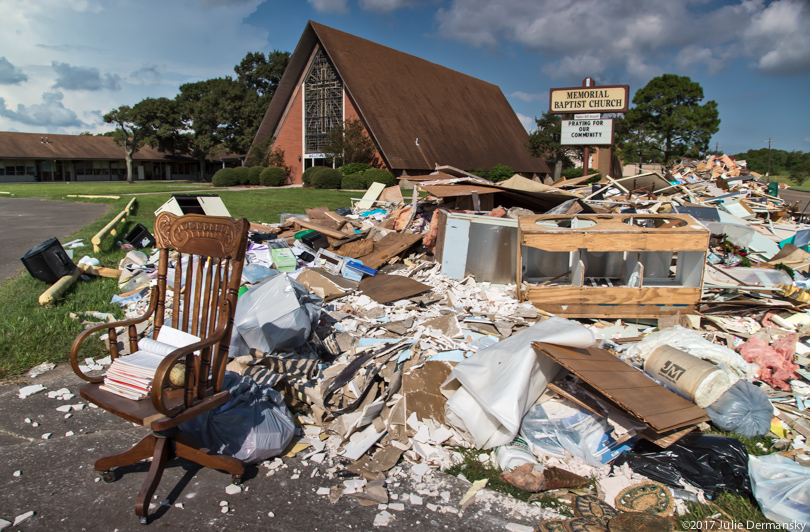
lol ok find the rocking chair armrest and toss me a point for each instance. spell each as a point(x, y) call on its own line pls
point(161, 379)
point(84, 335)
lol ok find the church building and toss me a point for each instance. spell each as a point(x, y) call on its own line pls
point(419, 114)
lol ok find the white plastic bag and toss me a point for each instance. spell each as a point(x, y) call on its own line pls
point(253, 425)
point(693, 343)
point(554, 428)
point(276, 314)
point(490, 392)
point(744, 409)
point(782, 488)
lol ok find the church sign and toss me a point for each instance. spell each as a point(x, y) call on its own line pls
point(594, 132)
point(601, 99)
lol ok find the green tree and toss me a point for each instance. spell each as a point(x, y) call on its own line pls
point(261, 73)
point(259, 152)
point(152, 121)
point(349, 143)
point(799, 175)
point(544, 142)
point(668, 119)
point(216, 113)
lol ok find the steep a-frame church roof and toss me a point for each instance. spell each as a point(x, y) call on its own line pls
point(419, 113)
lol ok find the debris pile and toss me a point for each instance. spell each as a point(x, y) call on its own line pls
point(569, 334)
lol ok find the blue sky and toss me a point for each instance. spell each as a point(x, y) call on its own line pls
point(64, 63)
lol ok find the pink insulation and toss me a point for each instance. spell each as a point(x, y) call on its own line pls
point(775, 361)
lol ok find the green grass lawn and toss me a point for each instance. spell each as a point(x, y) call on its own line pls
point(58, 190)
point(791, 184)
point(30, 334)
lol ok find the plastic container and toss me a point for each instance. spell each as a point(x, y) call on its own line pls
point(140, 237)
point(514, 454)
point(314, 239)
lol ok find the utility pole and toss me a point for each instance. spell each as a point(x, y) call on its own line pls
point(769, 141)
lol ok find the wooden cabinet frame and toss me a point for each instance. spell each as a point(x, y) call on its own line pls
point(618, 265)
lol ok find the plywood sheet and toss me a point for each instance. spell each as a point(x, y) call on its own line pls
point(627, 387)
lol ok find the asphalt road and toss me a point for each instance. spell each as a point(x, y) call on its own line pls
point(55, 479)
point(790, 195)
point(27, 222)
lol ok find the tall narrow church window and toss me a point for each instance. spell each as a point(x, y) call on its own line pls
point(323, 101)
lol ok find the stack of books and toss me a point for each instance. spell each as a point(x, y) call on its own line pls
point(131, 376)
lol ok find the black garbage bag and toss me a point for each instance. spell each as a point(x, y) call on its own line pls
point(710, 462)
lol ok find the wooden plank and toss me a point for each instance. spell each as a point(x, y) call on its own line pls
point(614, 311)
point(438, 251)
point(389, 247)
point(617, 295)
point(627, 387)
point(320, 228)
point(676, 232)
point(609, 241)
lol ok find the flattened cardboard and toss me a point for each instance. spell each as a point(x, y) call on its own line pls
point(392, 194)
point(627, 387)
point(318, 213)
point(384, 288)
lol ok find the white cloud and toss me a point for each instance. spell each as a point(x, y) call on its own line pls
point(385, 6)
point(329, 6)
point(9, 74)
point(148, 47)
point(224, 2)
point(610, 37)
point(693, 55)
point(528, 123)
point(778, 40)
point(146, 75)
point(84, 78)
point(580, 66)
point(529, 98)
point(50, 113)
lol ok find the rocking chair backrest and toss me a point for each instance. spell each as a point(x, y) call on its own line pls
point(207, 253)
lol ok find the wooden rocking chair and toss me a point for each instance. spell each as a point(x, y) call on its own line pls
point(210, 253)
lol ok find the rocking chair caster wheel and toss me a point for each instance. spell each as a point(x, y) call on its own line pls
point(236, 481)
point(108, 476)
point(144, 520)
